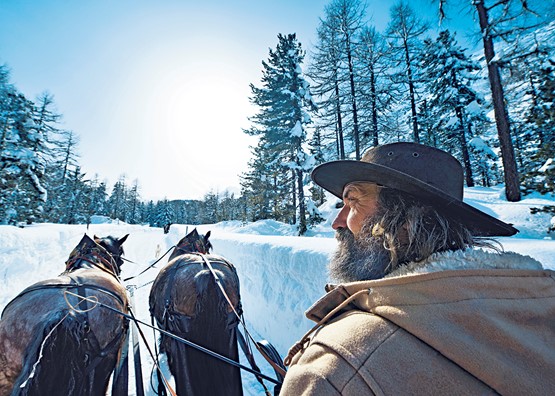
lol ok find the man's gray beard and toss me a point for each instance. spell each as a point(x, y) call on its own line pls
point(360, 258)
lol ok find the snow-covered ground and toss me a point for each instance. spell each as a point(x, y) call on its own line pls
point(281, 274)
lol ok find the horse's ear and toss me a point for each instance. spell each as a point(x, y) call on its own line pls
point(207, 236)
point(193, 233)
point(122, 239)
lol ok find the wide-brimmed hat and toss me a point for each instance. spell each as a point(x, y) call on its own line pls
point(432, 175)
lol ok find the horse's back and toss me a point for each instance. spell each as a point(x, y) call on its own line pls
point(50, 320)
point(184, 281)
point(186, 300)
point(23, 320)
point(38, 302)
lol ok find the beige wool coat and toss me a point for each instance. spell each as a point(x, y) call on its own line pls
point(460, 323)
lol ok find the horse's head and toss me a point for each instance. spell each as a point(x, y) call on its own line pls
point(193, 242)
point(106, 251)
point(112, 246)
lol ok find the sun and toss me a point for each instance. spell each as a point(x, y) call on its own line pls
point(195, 117)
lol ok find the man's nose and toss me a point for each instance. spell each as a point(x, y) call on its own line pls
point(341, 219)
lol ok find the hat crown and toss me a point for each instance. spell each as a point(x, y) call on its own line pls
point(427, 164)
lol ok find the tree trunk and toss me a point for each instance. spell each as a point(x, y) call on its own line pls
point(512, 188)
point(302, 204)
point(464, 149)
point(534, 95)
point(294, 197)
point(354, 102)
point(412, 95)
point(374, 105)
point(339, 122)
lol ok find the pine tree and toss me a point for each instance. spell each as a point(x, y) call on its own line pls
point(78, 199)
point(284, 102)
point(449, 75)
point(117, 203)
point(404, 33)
point(375, 88)
point(210, 211)
point(504, 21)
point(525, 73)
point(149, 213)
point(316, 151)
point(22, 153)
point(344, 19)
point(98, 199)
point(64, 160)
point(484, 162)
point(230, 207)
point(541, 175)
point(133, 198)
point(45, 120)
point(256, 188)
point(328, 80)
point(163, 213)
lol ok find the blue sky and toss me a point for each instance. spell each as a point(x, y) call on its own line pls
point(158, 90)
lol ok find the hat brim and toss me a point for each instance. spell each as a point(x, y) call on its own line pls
point(334, 176)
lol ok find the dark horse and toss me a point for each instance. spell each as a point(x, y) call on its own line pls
point(186, 301)
point(55, 343)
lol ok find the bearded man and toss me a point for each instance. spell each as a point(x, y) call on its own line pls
point(428, 303)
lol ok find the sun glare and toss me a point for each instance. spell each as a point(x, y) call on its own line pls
point(196, 117)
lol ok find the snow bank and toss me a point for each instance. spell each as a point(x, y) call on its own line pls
point(281, 275)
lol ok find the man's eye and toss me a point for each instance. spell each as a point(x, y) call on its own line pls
point(350, 202)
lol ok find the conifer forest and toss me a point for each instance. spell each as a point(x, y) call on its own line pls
point(355, 88)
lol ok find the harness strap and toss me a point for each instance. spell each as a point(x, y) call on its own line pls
point(112, 266)
point(136, 350)
point(172, 273)
point(82, 292)
point(161, 388)
point(149, 267)
point(271, 351)
point(278, 369)
point(250, 358)
point(182, 340)
point(168, 290)
point(120, 379)
point(99, 353)
point(88, 247)
point(33, 288)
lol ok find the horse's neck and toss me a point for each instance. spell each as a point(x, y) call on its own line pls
point(90, 261)
point(213, 259)
point(179, 252)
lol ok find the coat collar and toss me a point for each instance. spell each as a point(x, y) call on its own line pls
point(468, 259)
point(431, 268)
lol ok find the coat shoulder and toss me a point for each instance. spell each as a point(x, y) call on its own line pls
point(362, 353)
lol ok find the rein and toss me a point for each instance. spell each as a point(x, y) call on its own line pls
point(66, 286)
point(110, 267)
point(150, 266)
point(278, 369)
point(177, 338)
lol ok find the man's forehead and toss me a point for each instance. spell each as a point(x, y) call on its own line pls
point(349, 188)
point(362, 187)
